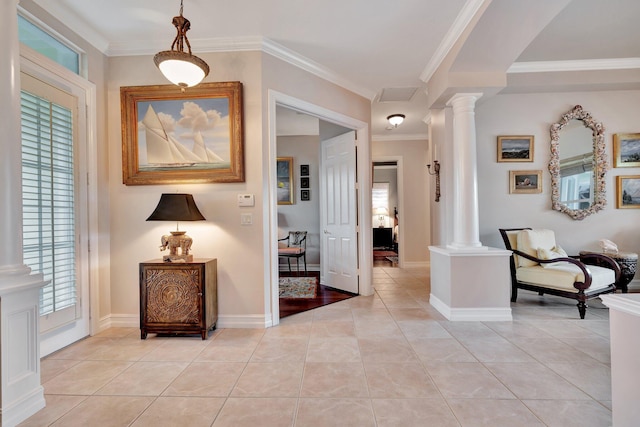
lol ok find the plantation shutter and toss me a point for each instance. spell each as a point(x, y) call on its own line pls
point(48, 193)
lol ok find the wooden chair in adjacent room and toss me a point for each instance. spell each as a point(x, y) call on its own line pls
point(296, 248)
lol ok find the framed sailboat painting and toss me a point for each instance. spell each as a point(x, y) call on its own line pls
point(171, 136)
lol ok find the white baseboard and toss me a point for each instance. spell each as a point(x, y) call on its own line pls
point(478, 314)
point(17, 411)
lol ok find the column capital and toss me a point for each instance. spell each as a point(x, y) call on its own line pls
point(461, 99)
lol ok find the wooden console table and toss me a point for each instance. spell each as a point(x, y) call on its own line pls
point(178, 297)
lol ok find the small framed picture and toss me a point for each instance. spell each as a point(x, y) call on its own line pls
point(304, 182)
point(525, 182)
point(626, 150)
point(304, 170)
point(305, 195)
point(628, 192)
point(515, 148)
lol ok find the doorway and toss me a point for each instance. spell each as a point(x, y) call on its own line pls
point(386, 205)
point(330, 122)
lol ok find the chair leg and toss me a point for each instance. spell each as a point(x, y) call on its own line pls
point(582, 309)
point(304, 259)
point(289, 263)
point(514, 293)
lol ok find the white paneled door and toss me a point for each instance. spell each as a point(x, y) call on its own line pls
point(339, 261)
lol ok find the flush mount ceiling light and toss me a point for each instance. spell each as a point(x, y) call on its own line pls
point(396, 119)
point(179, 67)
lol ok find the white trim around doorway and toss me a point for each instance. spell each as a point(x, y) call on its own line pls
point(270, 218)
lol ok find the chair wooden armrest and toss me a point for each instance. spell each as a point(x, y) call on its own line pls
point(578, 285)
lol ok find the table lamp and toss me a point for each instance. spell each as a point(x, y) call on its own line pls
point(176, 207)
point(382, 213)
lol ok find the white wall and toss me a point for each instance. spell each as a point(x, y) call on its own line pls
point(302, 215)
point(533, 114)
point(414, 215)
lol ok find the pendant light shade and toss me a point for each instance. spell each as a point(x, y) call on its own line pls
point(179, 67)
point(396, 119)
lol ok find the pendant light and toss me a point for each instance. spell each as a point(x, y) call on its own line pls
point(179, 67)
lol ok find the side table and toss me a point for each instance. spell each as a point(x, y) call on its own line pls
point(628, 262)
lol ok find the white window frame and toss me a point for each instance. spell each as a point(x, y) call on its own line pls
point(55, 74)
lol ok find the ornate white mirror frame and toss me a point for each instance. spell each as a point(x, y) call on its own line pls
point(600, 165)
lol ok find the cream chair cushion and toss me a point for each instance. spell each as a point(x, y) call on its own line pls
point(529, 241)
point(562, 276)
point(547, 254)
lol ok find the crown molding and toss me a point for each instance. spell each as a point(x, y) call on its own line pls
point(297, 60)
point(461, 22)
point(401, 137)
point(575, 65)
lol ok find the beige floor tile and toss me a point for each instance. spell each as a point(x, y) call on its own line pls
point(144, 379)
point(467, 380)
point(334, 380)
point(409, 314)
point(56, 407)
point(593, 378)
point(333, 315)
point(495, 349)
point(289, 330)
point(85, 378)
point(333, 329)
point(238, 337)
point(176, 350)
point(493, 413)
point(534, 381)
point(386, 349)
point(388, 380)
point(82, 349)
point(334, 349)
point(206, 379)
point(413, 413)
point(547, 350)
point(441, 350)
point(180, 411)
point(469, 330)
point(269, 380)
point(331, 412)
point(281, 350)
point(418, 329)
point(226, 353)
point(105, 411)
point(252, 412)
point(596, 347)
point(516, 329)
point(562, 413)
point(50, 368)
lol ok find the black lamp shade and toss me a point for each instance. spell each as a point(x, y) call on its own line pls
point(176, 207)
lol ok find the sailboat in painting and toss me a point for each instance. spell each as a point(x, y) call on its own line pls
point(163, 150)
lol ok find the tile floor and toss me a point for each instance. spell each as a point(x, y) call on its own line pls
point(385, 360)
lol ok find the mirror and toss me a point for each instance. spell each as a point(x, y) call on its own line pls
point(578, 164)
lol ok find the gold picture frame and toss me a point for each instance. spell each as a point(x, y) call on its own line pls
point(626, 150)
point(628, 192)
point(515, 148)
point(174, 136)
point(525, 182)
point(284, 179)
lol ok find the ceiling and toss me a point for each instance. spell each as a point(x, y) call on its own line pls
point(372, 47)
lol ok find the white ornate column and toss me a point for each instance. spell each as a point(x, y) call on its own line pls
point(21, 395)
point(466, 232)
point(469, 282)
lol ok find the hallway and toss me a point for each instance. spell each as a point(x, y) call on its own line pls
point(385, 360)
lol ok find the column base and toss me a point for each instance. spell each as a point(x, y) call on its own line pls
point(471, 285)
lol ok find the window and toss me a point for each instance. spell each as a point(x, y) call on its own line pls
point(380, 203)
point(49, 46)
point(48, 194)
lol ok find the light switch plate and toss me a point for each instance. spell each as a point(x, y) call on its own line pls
point(246, 219)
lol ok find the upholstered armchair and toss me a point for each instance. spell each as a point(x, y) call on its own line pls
point(539, 264)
